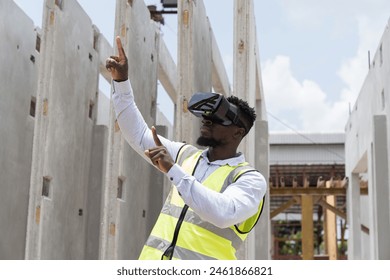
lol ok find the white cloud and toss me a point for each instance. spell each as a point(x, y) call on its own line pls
point(300, 105)
point(354, 70)
point(303, 105)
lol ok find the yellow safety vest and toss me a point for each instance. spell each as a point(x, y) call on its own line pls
point(198, 239)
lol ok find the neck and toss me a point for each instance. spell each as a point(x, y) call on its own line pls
point(217, 153)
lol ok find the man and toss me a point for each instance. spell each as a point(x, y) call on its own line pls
point(216, 198)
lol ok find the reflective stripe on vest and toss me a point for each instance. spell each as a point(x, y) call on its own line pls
point(198, 239)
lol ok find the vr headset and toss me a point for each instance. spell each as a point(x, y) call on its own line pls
point(215, 107)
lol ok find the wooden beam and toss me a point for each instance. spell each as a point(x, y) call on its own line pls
point(336, 211)
point(309, 191)
point(307, 227)
point(331, 234)
point(285, 206)
point(280, 191)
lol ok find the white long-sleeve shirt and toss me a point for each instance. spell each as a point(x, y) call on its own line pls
point(237, 203)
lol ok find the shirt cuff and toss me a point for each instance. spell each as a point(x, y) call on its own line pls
point(121, 87)
point(175, 174)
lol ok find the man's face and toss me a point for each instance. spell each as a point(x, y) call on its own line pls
point(213, 134)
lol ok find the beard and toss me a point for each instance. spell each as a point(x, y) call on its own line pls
point(207, 142)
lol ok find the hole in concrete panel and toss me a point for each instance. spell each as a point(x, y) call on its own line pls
point(80, 212)
point(32, 106)
point(130, 2)
point(152, 57)
point(38, 43)
point(78, 47)
point(143, 213)
point(32, 58)
point(90, 56)
point(59, 3)
point(17, 47)
point(91, 106)
point(46, 186)
point(120, 188)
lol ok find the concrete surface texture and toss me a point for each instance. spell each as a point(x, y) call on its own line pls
point(17, 99)
point(367, 161)
point(71, 187)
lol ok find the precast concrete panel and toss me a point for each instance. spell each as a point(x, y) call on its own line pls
point(18, 79)
point(262, 231)
point(194, 64)
point(131, 180)
point(365, 146)
point(246, 84)
point(142, 179)
point(95, 191)
point(380, 195)
point(63, 133)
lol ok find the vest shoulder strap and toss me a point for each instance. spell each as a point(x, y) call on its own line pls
point(246, 226)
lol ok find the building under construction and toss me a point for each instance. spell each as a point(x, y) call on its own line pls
point(70, 184)
point(308, 186)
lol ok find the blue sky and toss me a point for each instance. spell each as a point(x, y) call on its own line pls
point(313, 54)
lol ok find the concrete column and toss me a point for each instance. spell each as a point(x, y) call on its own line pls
point(380, 195)
point(353, 212)
point(128, 216)
point(262, 246)
point(194, 65)
point(245, 82)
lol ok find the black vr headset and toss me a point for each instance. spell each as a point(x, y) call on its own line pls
point(215, 107)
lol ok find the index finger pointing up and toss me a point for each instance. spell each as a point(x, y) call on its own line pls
point(121, 52)
point(155, 137)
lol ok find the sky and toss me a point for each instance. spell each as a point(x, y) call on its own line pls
point(313, 54)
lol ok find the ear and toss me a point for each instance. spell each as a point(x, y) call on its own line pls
point(239, 133)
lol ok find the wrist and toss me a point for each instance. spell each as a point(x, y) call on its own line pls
point(120, 80)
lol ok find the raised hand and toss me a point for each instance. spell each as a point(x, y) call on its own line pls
point(118, 65)
point(159, 154)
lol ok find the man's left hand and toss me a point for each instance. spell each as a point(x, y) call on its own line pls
point(159, 154)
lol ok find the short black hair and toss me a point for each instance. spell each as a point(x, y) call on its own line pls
point(248, 112)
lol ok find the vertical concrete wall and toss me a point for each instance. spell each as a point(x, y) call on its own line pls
point(195, 74)
point(248, 86)
point(194, 65)
point(95, 191)
point(18, 80)
point(66, 113)
point(71, 186)
point(367, 156)
point(127, 221)
point(262, 235)
point(380, 195)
